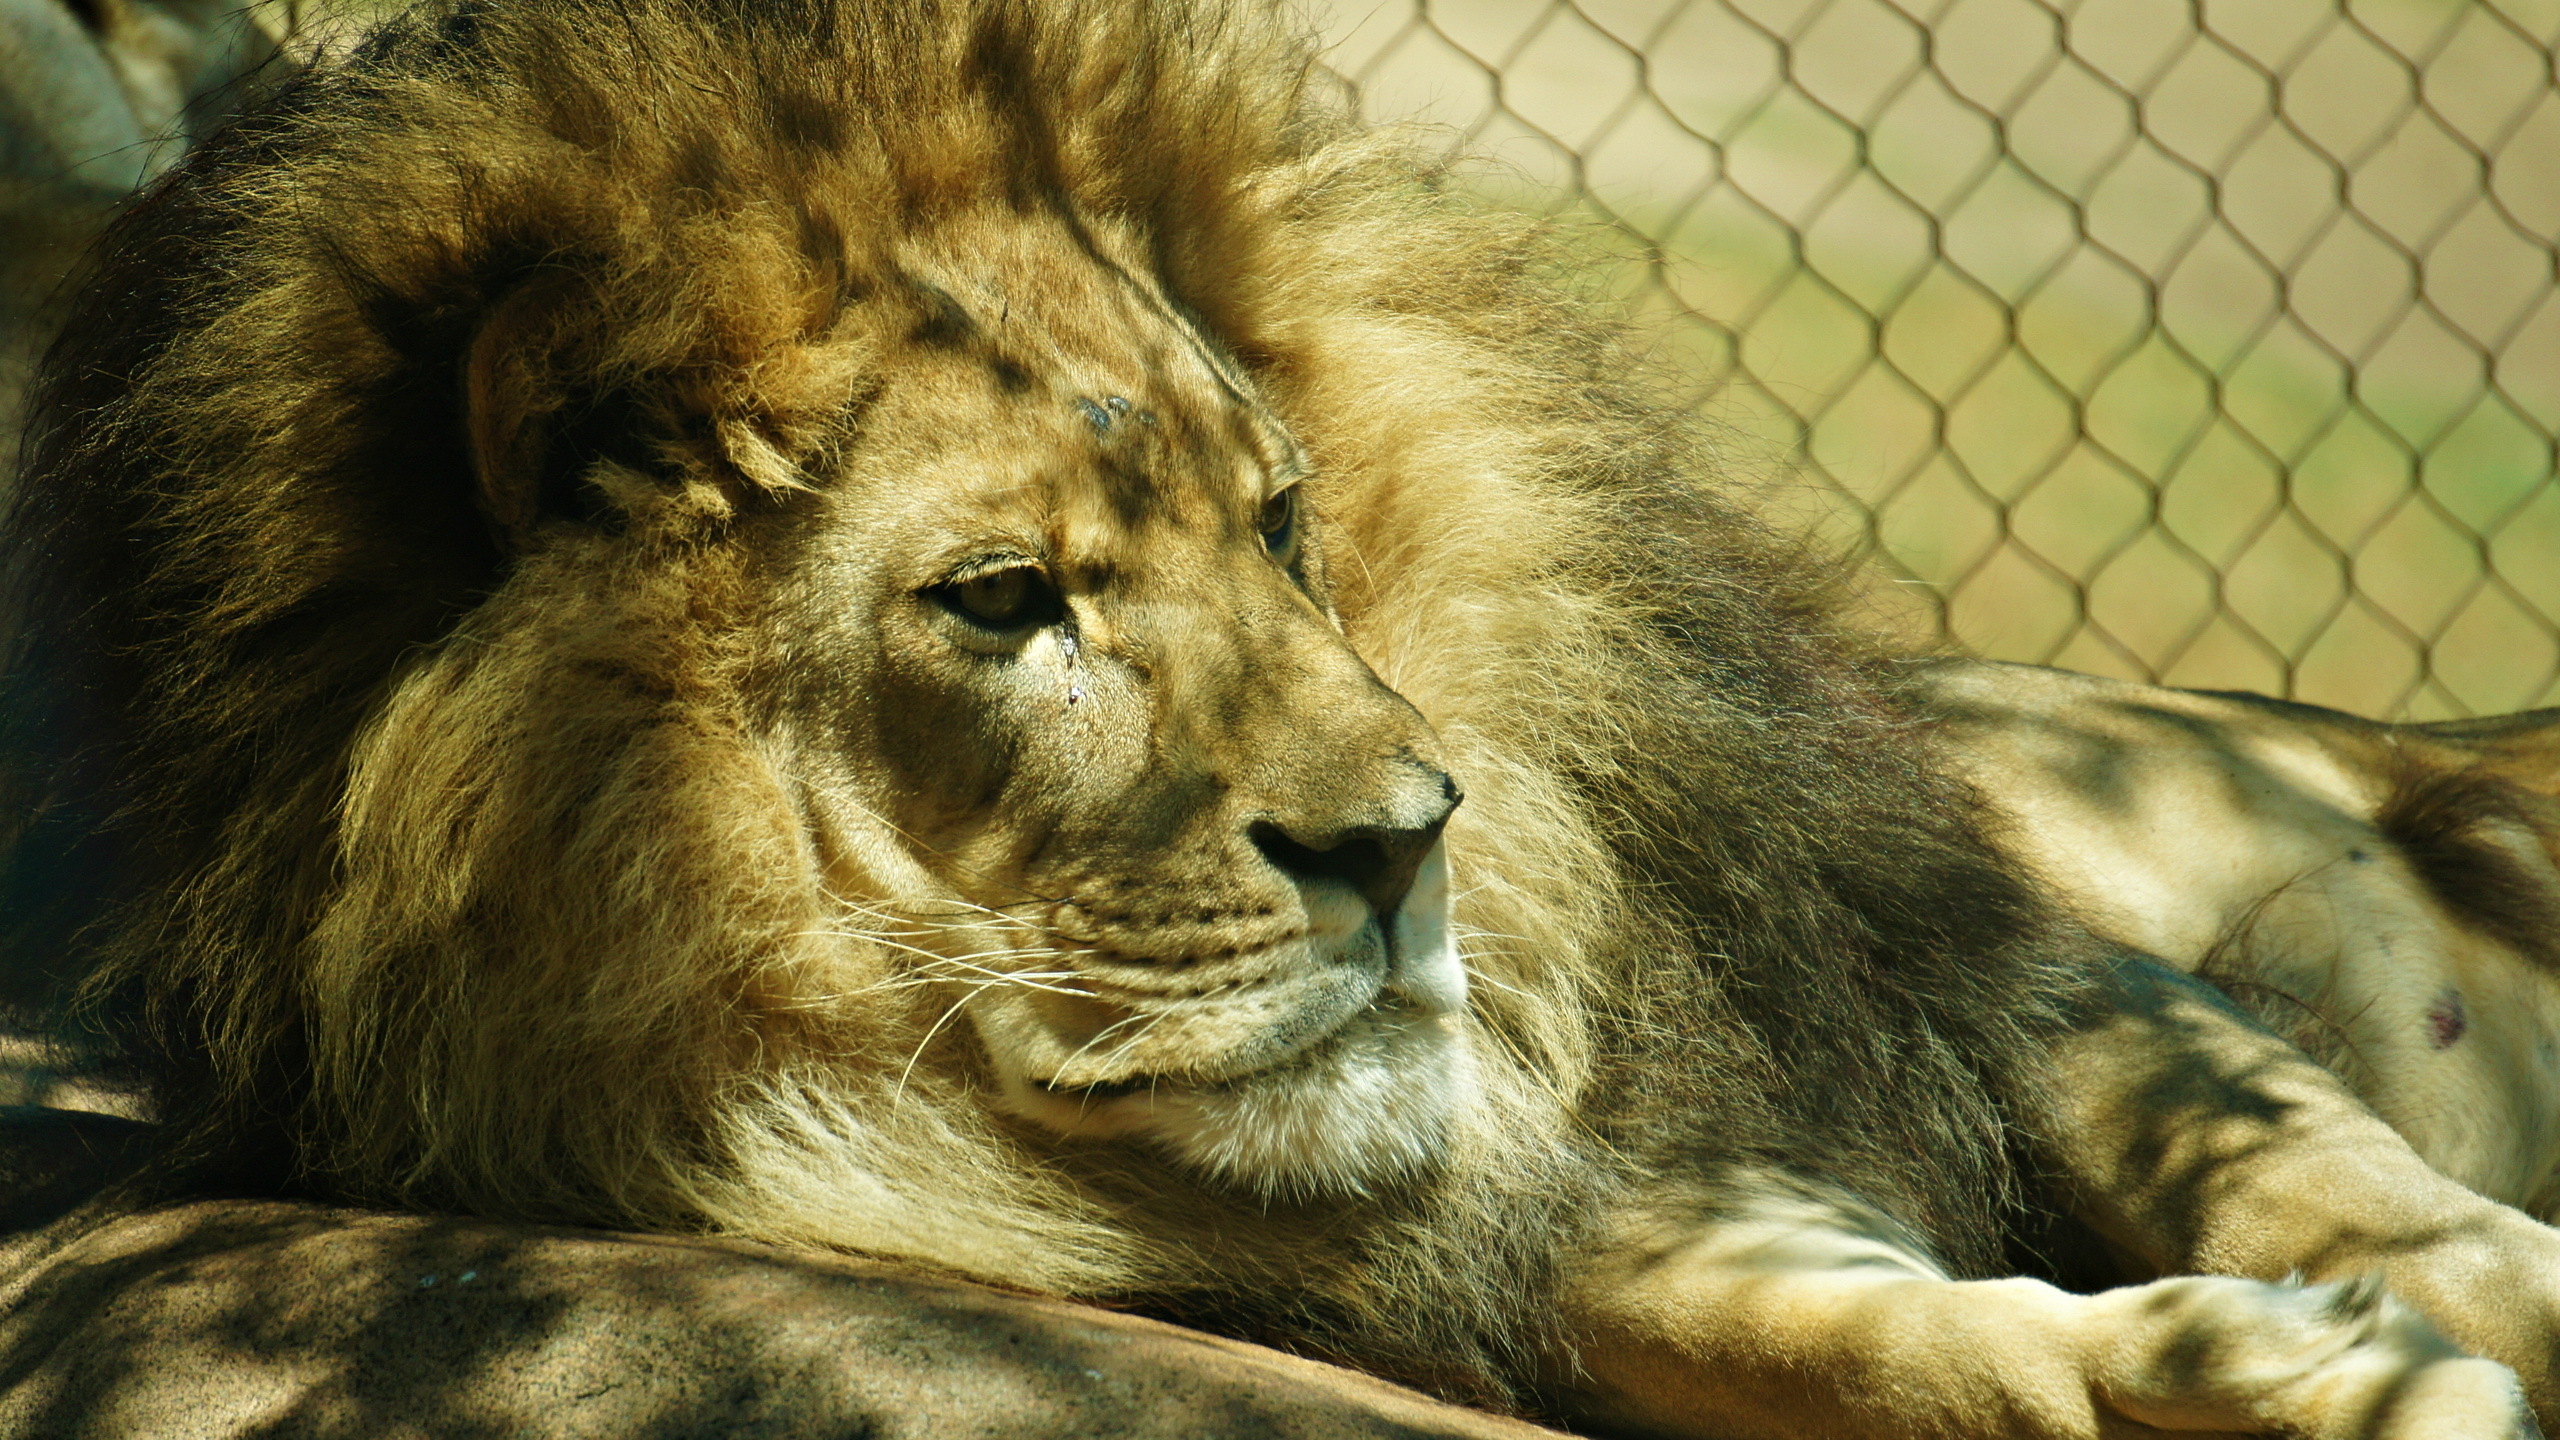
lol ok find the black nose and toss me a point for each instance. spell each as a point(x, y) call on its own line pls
point(1379, 861)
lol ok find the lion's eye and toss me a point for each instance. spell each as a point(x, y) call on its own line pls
point(1006, 599)
point(1280, 520)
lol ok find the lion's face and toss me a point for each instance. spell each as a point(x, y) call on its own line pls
point(1076, 733)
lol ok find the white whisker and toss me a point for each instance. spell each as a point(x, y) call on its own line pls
point(1475, 976)
point(899, 1091)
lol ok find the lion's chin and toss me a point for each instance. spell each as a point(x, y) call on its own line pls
point(1372, 1104)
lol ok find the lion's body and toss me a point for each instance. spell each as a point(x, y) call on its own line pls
point(861, 623)
point(2385, 896)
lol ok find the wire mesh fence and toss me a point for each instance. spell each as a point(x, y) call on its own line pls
point(2210, 341)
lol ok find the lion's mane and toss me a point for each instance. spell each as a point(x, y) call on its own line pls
point(1723, 914)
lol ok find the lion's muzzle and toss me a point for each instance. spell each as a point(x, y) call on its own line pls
point(1324, 1063)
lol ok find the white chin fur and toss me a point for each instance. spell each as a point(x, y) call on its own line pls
point(1376, 1102)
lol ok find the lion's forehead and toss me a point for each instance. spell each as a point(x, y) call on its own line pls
point(1101, 435)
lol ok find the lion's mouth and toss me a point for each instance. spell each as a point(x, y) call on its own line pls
point(1103, 1090)
point(1385, 1007)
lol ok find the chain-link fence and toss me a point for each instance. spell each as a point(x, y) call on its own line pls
point(2211, 341)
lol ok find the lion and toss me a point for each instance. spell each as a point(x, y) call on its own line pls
point(981, 632)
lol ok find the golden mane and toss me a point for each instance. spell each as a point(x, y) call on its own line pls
point(1722, 910)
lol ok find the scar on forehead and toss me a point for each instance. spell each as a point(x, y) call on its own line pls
point(1107, 413)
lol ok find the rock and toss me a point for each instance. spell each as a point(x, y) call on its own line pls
point(95, 99)
point(232, 1317)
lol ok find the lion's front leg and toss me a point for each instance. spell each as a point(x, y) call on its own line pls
point(1805, 1317)
point(2197, 1141)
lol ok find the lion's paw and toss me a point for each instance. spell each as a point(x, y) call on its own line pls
point(2340, 1361)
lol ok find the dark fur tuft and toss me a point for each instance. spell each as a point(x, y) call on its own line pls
point(2484, 846)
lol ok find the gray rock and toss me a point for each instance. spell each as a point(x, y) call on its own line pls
point(240, 1317)
point(93, 103)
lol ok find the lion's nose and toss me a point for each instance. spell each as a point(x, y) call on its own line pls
point(1379, 861)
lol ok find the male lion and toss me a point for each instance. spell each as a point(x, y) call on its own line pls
point(862, 623)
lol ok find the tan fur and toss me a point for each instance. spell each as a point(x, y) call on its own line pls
point(494, 722)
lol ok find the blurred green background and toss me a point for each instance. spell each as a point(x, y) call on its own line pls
point(2204, 342)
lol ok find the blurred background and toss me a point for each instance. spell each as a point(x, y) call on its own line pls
point(2206, 341)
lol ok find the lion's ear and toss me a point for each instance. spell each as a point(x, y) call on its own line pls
point(504, 401)
point(533, 431)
